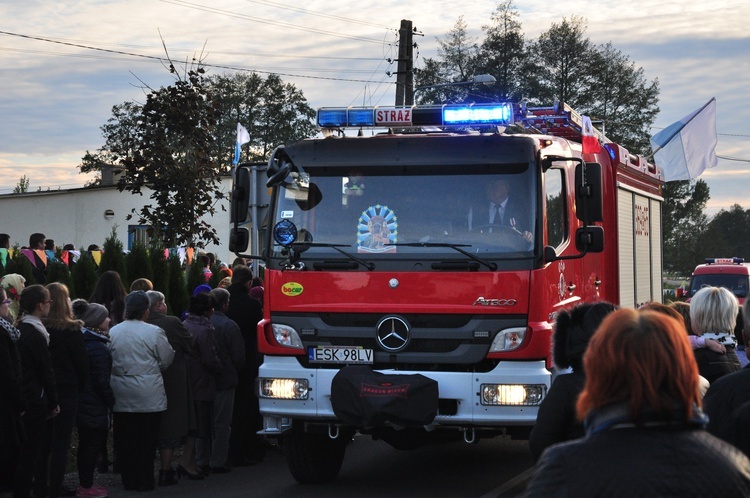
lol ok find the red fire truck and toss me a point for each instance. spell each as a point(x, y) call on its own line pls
point(732, 273)
point(383, 270)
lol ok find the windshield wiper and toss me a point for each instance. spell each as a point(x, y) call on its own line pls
point(303, 246)
point(456, 247)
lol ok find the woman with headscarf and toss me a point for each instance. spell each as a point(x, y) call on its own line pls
point(11, 401)
point(13, 283)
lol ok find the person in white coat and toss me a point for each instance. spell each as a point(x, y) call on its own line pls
point(140, 351)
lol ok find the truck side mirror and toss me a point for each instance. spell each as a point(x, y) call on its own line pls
point(590, 239)
point(240, 195)
point(239, 240)
point(589, 193)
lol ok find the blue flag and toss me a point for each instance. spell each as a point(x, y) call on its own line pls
point(684, 149)
point(243, 137)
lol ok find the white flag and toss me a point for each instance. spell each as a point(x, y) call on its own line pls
point(243, 137)
point(686, 148)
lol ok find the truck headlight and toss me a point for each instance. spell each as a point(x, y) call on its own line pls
point(286, 336)
point(283, 388)
point(513, 394)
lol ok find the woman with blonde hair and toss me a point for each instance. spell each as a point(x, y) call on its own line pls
point(713, 315)
point(70, 362)
point(645, 430)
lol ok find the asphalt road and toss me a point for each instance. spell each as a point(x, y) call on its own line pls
point(492, 468)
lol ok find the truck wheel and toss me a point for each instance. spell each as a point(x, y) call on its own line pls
point(314, 458)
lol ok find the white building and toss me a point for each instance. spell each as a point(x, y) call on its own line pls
point(85, 216)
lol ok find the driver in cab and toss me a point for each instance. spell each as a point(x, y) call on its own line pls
point(499, 212)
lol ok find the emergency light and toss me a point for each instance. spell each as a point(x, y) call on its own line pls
point(725, 261)
point(499, 114)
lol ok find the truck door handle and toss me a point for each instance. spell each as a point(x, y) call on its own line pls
point(571, 287)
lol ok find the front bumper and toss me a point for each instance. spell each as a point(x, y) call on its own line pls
point(461, 389)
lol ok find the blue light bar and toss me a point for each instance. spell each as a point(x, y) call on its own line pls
point(501, 114)
point(486, 114)
point(361, 117)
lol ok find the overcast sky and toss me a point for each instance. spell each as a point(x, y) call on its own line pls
point(63, 65)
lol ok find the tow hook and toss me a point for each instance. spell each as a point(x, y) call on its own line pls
point(469, 435)
point(333, 431)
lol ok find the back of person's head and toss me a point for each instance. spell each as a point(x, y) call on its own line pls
point(4, 240)
point(49, 245)
point(108, 288)
point(201, 303)
point(257, 282)
point(713, 310)
point(36, 240)
point(664, 309)
point(242, 275)
point(93, 247)
point(220, 297)
point(31, 297)
point(643, 359)
point(155, 298)
point(69, 247)
point(683, 309)
point(573, 330)
point(60, 310)
point(137, 303)
point(143, 284)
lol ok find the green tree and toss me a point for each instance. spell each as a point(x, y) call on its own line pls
point(195, 276)
point(113, 257)
point(159, 267)
point(137, 264)
point(684, 222)
point(177, 291)
point(84, 275)
point(727, 234)
point(619, 95)
point(24, 268)
point(22, 186)
point(272, 112)
point(457, 60)
point(57, 271)
point(502, 54)
point(559, 63)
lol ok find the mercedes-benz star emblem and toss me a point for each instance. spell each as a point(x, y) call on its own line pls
point(393, 333)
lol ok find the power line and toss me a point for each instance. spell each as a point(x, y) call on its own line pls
point(168, 61)
point(227, 13)
point(319, 14)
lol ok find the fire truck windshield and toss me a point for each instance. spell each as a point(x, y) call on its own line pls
point(409, 214)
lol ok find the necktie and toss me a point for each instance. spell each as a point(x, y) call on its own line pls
point(500, 216)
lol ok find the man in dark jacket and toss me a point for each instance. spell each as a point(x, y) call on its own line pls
point(231, 351)
point(727, 404)
point(245, 446)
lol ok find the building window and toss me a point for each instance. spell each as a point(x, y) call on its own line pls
point(138, 234)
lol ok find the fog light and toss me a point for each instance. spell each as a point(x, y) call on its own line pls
point(512, 394)
point(283, 388)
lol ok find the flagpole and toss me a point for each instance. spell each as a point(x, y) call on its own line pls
point(649, 157)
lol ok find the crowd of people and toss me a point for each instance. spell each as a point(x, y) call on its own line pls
point(656, 402)
point(646, 402)
point(119, 363)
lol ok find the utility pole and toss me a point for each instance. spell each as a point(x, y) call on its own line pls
point(405, 71)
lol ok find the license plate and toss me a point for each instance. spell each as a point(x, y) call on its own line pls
point(340, 354)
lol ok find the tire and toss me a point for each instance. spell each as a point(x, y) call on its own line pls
point(314, 458)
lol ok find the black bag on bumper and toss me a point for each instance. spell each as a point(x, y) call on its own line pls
point(365, 398)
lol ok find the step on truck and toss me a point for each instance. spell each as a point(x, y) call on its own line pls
point(394, 307)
